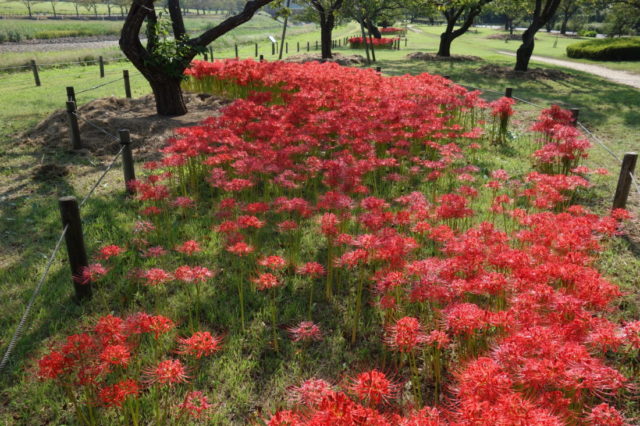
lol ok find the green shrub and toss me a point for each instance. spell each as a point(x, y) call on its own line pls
point(587, 33)
point(610, 49)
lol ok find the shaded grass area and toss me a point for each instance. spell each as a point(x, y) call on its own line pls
point(247, 376)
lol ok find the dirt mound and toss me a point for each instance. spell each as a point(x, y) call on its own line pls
point(50, 171)
point(149, 131)
point(422, 56)
point(510, 37)
point(532, 74)
point(346, 60)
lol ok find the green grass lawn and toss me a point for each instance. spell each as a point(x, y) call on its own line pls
point(29, 219)
point(62, 8)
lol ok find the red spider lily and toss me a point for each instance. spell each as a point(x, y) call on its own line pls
point(156, 276)
point(54, 364)
point(273, 262)
point(305, 331)
point(312, 269)
point(160, 325)
point(107, 252)
point(311, 392)
point(192, 274)
point(266, 281)
point(184, 202)
point(116, 355)
point(373, 387)
point(91, 273)
point(285, 418)
point(115, 395)
point(196, 404)
point(240, 249)
point(202, 343)
point(167, 372)
point(155, 251)
point(606, 415)
point(189, 247)
point(405, 335)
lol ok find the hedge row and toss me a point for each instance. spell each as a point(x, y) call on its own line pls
point(610, 49)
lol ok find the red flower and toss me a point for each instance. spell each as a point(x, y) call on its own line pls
point(110, 251)
point(240, 249)
point(272, 262)
point(160, 325)
point(266, 281)
point(373, 387)
point(405, 335)
point(195, 403)
point(116, 355)
point(202, 343)
point(114, 396)
point(189, 247)
point(167, 372)
point(305, 331)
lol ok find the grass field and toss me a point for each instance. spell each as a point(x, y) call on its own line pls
point(29, 220)
point(62, 8)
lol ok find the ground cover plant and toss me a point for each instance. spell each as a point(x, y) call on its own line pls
point(354, 226)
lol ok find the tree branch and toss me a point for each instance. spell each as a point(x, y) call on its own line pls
point(250, 8)
point(130, 35)
point(176, 18)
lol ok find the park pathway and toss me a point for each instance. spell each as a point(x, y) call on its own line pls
point(616, 76)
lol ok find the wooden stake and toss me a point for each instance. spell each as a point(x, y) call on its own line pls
point(71, 94)
point(36, 76)
point(127, 83)
point(575, 113)
point(508, 92)
point(624, 180)
point(101, 63)
point(74, 129)
point(70, 214)
point(127, 159)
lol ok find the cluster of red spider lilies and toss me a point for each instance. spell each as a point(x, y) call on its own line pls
point(368, 197)
point(385, 43)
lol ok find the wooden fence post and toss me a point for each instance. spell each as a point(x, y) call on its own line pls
point(575, 113)
point(286, 48)
point(508, 92)
point(74, 130)
point(211, 53)
point(256, 50)
point(36, 76)
point(308, 46)
point(624, 180)
point(101, 62)
point(298, 47)
point(261, 58)
point(316, 44)
point(71, 94)
point(127, 159)
point(70, 214)
point(273, 48)
point(237, 53)
point(379, 70)
point(206, 57)
point(127, 84)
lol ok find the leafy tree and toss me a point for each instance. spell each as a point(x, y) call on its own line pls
point(169, 49)
point(513, 11)
point(543, 11)
point(372, 12)
point(568, 9)
point(90, 5)
point(623, 18)
point(29, 4)
point(327, 12)
point(454, 11)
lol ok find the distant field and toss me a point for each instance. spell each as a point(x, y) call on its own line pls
point(62, 8)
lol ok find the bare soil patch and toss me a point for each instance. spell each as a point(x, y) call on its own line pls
point(149, 131)
point(50, 171)
point(532, 74)
point(506, 36)
point(422, 56)
point(345, 60)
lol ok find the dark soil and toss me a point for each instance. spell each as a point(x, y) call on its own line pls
point(346, 60)
point(421, 56)
point(532, 74)
point(148, 130)
point(50, 171)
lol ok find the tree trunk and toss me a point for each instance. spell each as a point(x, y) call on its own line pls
point(168, 96)
point(29, 8)
point(563, 28)
point(326, 30)
point(445, 44)
point(523, 56)
point(373, 29)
